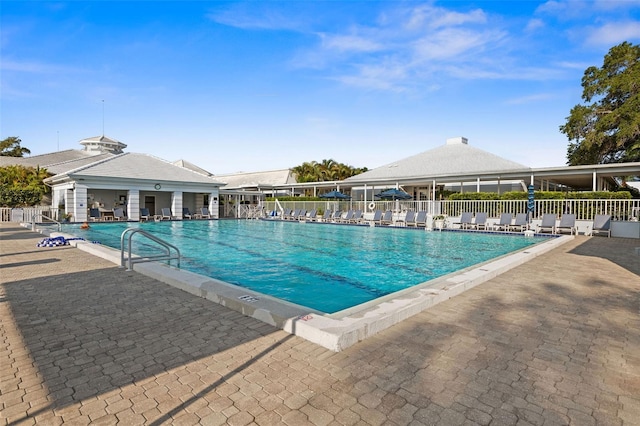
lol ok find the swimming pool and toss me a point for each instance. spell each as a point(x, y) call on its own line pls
point(328, 268)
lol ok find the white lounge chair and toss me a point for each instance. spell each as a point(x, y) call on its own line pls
point(410, 219)
point(480, 222)
point(387, 219)
point(144, 214)
point(357, 217)
point(548, 223)
point(118, 214)
point(504, 223)
point(347, 218)
point(421, 218)
point(601, 224)
point(521, 223)
point(166, 214)
point(466, 220)
point(186, 214)
point(204, 213)
point(567, 223)
point(326, 216)
point(377, 217)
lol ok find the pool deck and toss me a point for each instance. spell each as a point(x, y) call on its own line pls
point(555, 340)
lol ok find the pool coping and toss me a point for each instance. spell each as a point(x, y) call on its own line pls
point(337, 331)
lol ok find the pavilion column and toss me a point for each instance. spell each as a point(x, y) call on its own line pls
point(78, 204)
point(214, 204)
point(133, 204)
point(478, 185)
point(594, 186)
point(176, 204)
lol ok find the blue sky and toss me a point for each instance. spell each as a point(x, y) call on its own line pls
point(262, 85)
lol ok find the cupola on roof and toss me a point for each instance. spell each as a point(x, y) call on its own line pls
point(102, 144)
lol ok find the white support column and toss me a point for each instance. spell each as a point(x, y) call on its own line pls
point(79, 204)
point(478, 185)
point(176, 204)
point(532, 181)
point(433, 188)
point(594, 185)
point(133, 204)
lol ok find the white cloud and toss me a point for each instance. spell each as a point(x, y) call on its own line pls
point(529, 99)
point(614, 33)
point(534, 24)
point(257, 16)
point(353, 43)
point(437, 17)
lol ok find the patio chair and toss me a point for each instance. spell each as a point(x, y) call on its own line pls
point(410, 218)
point(294, 214)
point(548, 223)
point(567, 223)
point(377, 217)
point(466, 220)
point(504, 223)
point(204, 213)
point(313, 215)
point(118, 214)
point(337, 216)
point(94, 215)
point(166, 214)
point(326, 216)
point(357, 217)
point(421, 219)
point(387, 219)
point(302, 214)
point(186, 214)
point(347, 218)
point(480, 222)
point(601, 223)
point(144, 214)
point(521, 223)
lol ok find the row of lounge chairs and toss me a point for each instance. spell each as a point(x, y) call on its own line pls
point(166, 214)
point(118, 214)
point(506, 222)
point(410, 218)
point(549, 223)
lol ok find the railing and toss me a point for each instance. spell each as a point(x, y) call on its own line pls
point(33, 222)
point(25, 214)
point(582, 208)
point(128, 261)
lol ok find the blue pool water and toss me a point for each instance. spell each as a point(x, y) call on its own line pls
point(321, 266)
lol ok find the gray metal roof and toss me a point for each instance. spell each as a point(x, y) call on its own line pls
point(187, 165)
point(257, 179)
point(56, 162)
point(454, 158)
point(138, 166)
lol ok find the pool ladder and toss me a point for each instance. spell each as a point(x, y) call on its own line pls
point(128, 260)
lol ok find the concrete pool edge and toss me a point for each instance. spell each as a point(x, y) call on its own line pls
point(329, 331)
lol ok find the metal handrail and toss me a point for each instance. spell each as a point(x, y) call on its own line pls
point(33, 221)
point(129, 261)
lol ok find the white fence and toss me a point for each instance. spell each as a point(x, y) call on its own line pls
point(583, 209)
point(26, 214)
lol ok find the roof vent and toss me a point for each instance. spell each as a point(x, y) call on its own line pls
point(458, 140)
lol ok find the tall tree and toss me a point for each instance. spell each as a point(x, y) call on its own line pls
point(607, 129)
point(10, 147)
point(326, 170)
point(22, 186)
